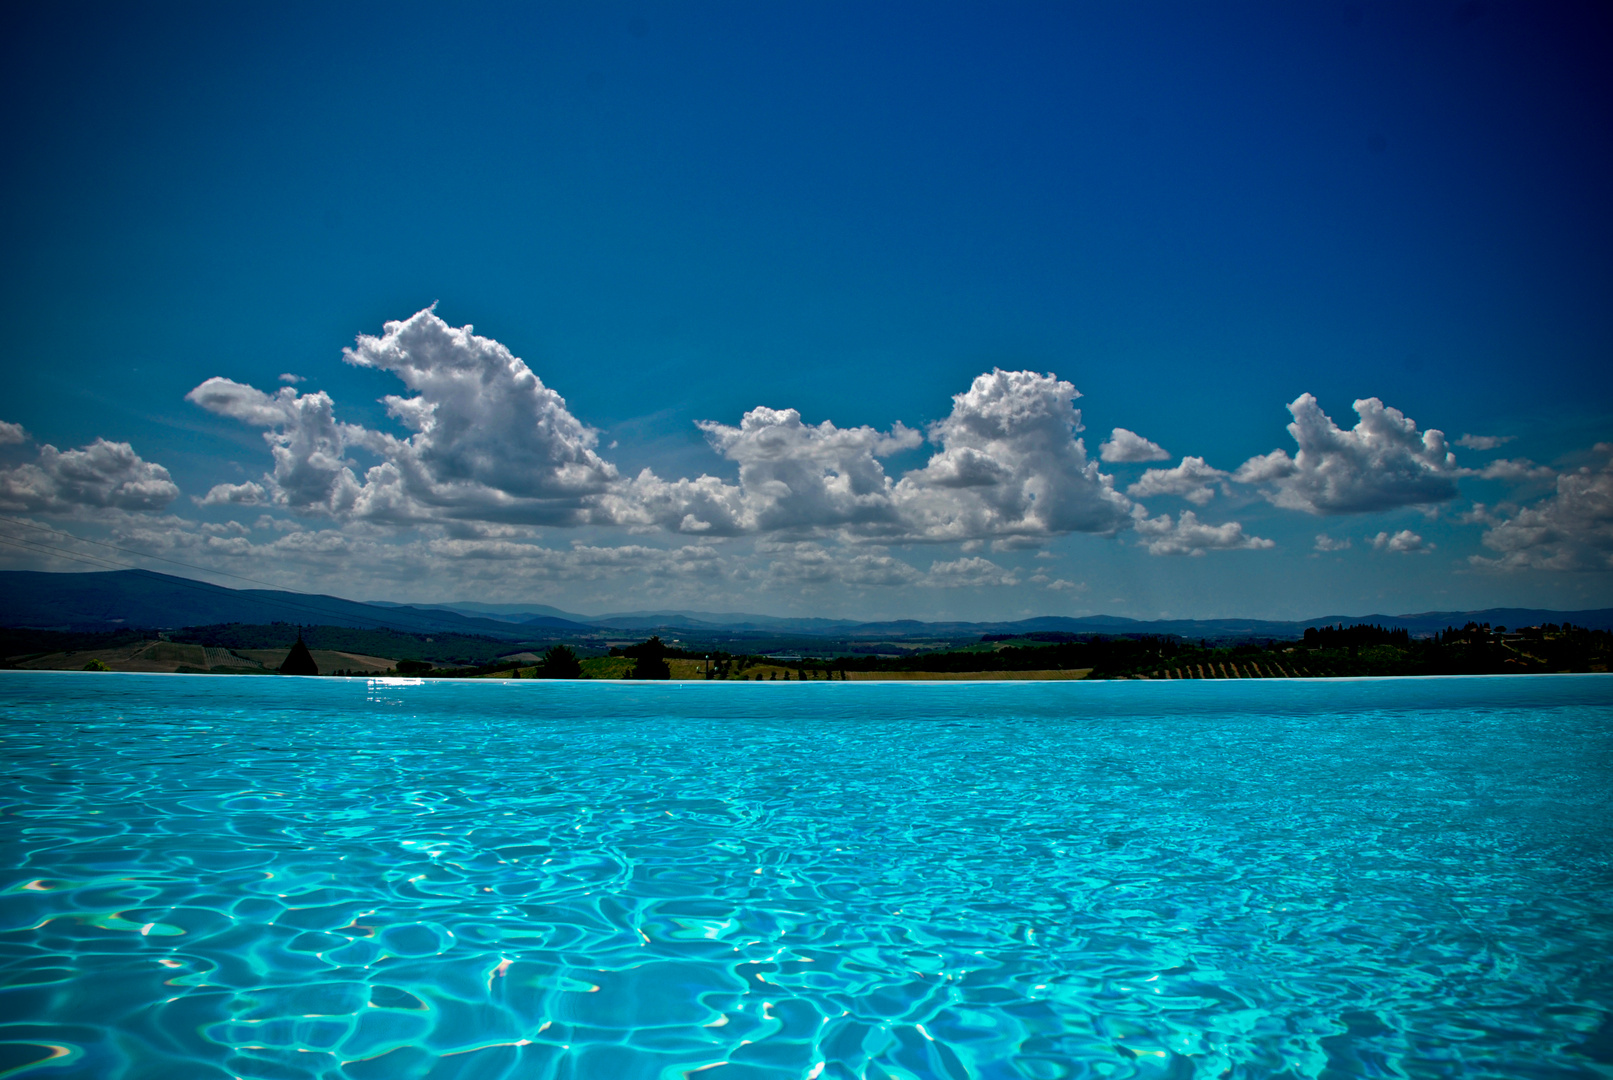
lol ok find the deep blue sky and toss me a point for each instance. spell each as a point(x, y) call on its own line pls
point(1194, 213)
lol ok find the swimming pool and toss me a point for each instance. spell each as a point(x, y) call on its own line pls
point(275, 877)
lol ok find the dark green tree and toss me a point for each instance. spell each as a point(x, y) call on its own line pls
point(299, 661)
point(650, 660)
point(560, 663)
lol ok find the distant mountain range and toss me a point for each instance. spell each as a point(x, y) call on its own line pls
point(139, 598)
point(694, 620)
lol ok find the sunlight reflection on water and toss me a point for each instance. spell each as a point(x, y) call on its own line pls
point(212, 876)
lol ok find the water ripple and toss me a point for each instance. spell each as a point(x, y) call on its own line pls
point(211, 877)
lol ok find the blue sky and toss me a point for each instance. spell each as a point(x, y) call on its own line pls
point(1192, 214)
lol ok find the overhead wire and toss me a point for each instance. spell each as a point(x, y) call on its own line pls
point(92, 560)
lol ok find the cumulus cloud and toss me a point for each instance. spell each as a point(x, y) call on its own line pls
point(247, 494)
point(228, 528)
point(482, 421)
point(288, 377)
point(10, 434)
point(1010, 469)
point(1325, 542)
point(1189, 536)
point(1010, 465)
point(488, 440)
point(103, 475)
point(806, 563)
point(357, 559)
point(312, 474)
point(1192, 480)
point(1514, 469)
point(1126, 445)
point(1382, 463)
point(792, 476)
point(968, 572)
point(1405, 542)
point(1484, 442)
point(1571, 529)
point(582, 562)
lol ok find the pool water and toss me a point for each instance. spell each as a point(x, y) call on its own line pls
point(211, 876)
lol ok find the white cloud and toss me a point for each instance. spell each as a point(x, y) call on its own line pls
point(971, 572)
point(806, 563)
point(312, 474)
point(1061, 585)
point(228, 528)
point(1380, 464)
point(1010, 465)
point(10, 434)
point(1126, 445)
point(289, 378)
point(489, 441)
point(1192, 480)
point(792, 477)
point(484, 425)
point(1404, 542)
point(247, 494)
point(1325, 542)
point(1484, 442)
point(1514, 469)
point(358, 559)
point(103, 475)
point(707, 505)
point(1009, 469)
point(1189, 536)
point(1571, 529)
point(1017, 543)
point(582, 562)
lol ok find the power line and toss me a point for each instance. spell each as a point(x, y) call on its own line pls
point(92, 560)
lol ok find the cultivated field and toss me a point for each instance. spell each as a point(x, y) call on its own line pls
point(171, 656)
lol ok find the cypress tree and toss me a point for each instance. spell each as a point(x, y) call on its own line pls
point(299, 661)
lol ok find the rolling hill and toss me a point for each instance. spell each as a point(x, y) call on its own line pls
point(117, 598)
point(110, 600)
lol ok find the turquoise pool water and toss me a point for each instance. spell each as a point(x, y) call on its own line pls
point(214, 877)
